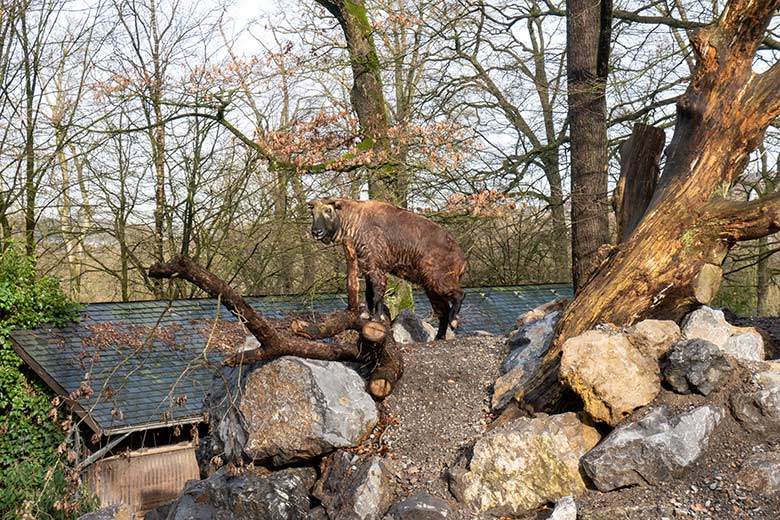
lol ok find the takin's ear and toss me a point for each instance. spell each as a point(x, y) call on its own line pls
point(337, 205)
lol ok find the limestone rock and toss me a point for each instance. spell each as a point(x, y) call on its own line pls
point(420, 506)
point(528, 346)
point(526, 463)
point(408, 328)
point(541, 311)
point(610, 375)
point(530, 342)
point(250, 495)
point(745, 345)
point(696, 366)
point(565, 509)
point(651, 450)
point(288, 410)
point(759, 410)
point(113, 512)
point(354, 488)
point(506, 386)
point(708, 324)
point(654, 338)
point(761, 473)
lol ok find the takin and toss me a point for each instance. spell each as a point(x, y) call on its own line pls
point(392, 240)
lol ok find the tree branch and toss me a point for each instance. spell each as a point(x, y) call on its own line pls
point(739, 221)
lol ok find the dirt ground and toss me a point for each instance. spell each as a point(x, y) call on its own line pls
point(442, 405)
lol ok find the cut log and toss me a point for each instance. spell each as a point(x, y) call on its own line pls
point(388, 370)
point(377, 346)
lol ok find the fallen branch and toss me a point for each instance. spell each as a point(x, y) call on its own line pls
point(376, 344)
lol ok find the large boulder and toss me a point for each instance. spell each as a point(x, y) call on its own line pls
point(251, 494)
point(652, 450)
point(743, 344)
point(654, 338)
point(288, 410)
point(696, 365)
point(354, 488)
point(761, 473)
point(758, 410)
point(609, 373)
point(113, 512)
point(528, 346)
point(420, 506)
point(708, 324)
point(531, 341)
point(565, 509)
point(408, 328)
point(523, 464)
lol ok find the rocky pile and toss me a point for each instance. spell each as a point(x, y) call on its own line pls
point(666, 416)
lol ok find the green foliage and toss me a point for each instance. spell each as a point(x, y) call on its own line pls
point(32, 475)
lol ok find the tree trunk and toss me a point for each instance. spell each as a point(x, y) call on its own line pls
point(639, 158)
point(672, 260)
point(367, 97)
point(588, 39)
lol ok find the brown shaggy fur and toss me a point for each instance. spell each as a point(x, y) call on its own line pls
point(392, 240)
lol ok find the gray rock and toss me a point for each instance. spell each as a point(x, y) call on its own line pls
point(758, 410)
point(420, 506)
point(527, 462)
point(318, 513)
point(707, 324)
point(761, 473)
point(565, 509)
point(113, 512)
point(249, 495)
point(747, 345)
point(530, 342)
point(408, 328)
point(289, 410)
point(696, 366)
point(651, 450)
point(528, 346)
point(354, 488)
point(541, 311)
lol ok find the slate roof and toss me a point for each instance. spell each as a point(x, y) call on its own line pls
point(132, 366)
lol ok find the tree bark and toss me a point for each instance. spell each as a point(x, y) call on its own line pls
point(367, 97)
point(674, 255)
point(639, 157)
point(588, 41)
point(382, 351)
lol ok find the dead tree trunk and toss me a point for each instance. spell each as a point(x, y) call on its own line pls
point(376, 345)
point(672, 260)
point(639, 170)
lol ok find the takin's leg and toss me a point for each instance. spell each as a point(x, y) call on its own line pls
point(441, 308)
point(369, 297)
point(455, 302)
point(375, 299)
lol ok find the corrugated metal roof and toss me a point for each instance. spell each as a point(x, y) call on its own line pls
point(138, 365)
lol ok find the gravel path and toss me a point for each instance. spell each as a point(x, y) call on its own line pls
point(441, 404)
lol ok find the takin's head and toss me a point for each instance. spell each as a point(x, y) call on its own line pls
point(325, 219)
